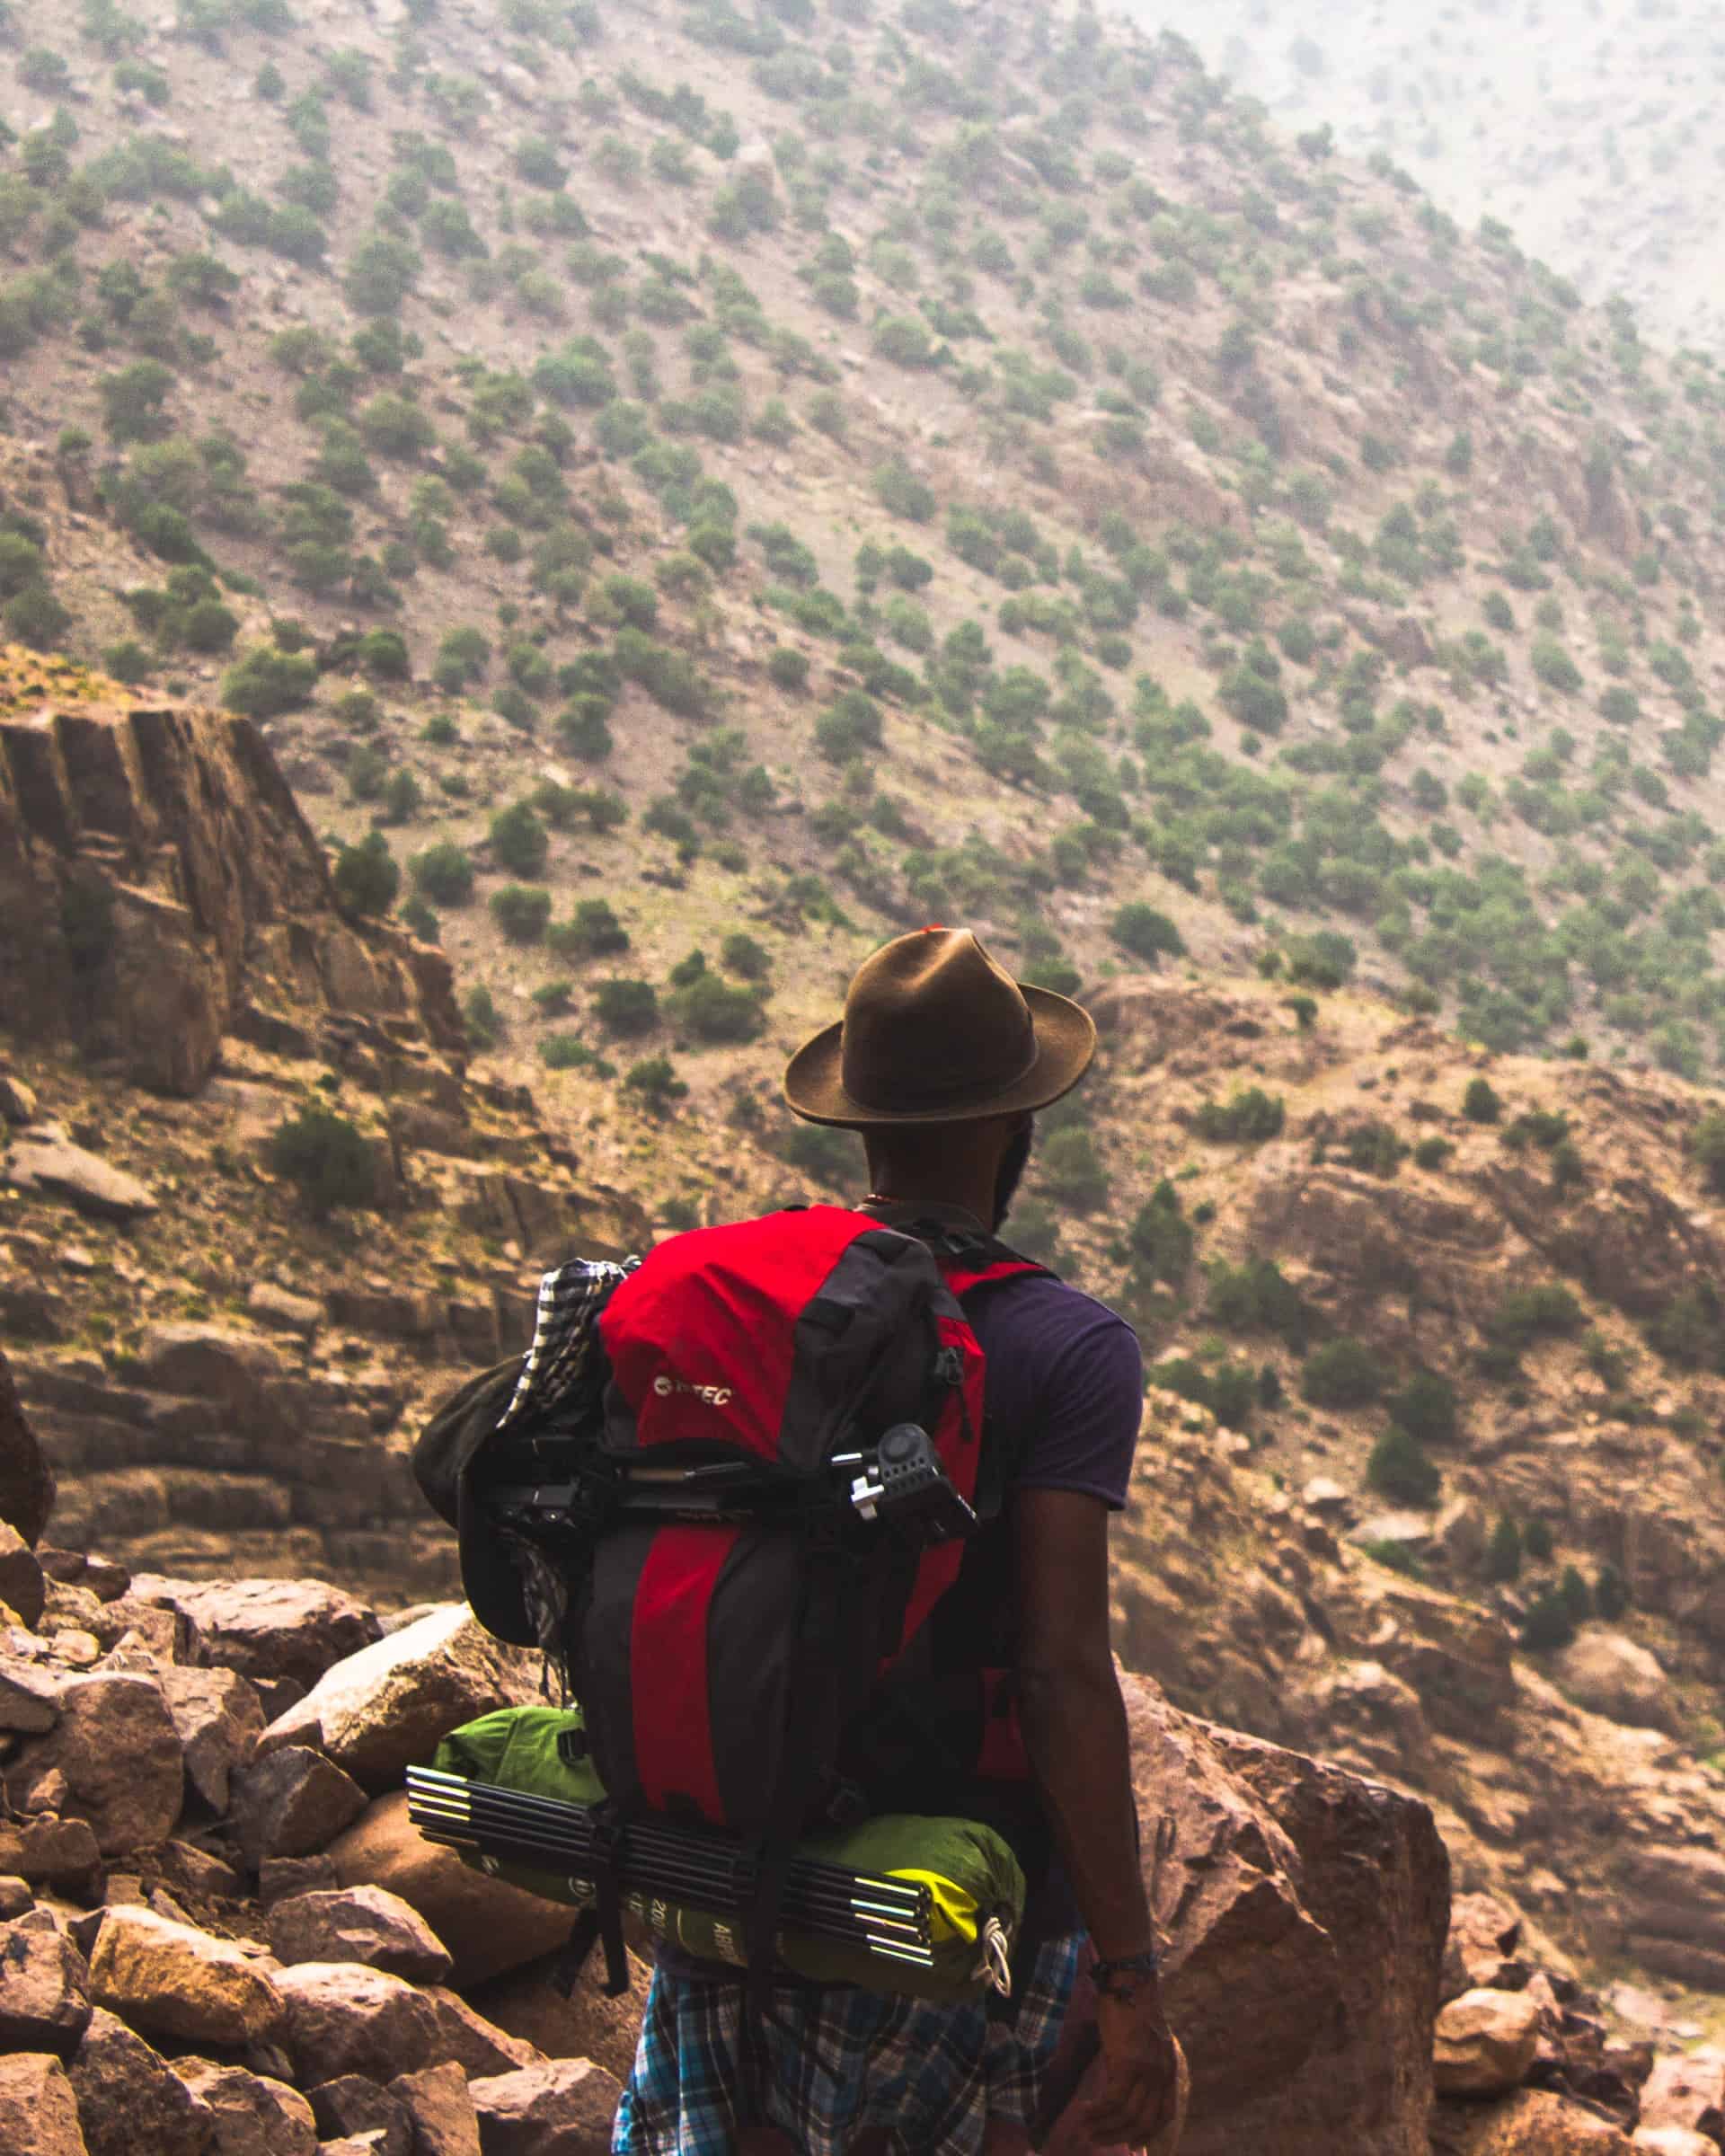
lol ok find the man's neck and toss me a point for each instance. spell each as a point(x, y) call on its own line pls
point(944, 1207)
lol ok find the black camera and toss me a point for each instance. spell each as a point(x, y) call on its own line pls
point(902, 1485)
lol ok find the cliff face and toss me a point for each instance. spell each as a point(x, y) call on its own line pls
point(159, 888)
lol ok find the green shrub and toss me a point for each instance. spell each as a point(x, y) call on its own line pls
point(521, 911)
point(654, 1083)
point(519, 839)
point(1432, 1153)
point(1548, 1625)
point(366, 879)
point(593, 932)
point(1398, 1468)
point(740, 954)
point(268, 681)
point(711, 1010)
point(1610, 1594)
point(326, 1158)
point(1707, 1146)
point(1690, 1330)
point(1255, 1297)
point(1425, 1407)
point(481, 1017)
point(133, 399)
point(443, 874)
point(1480, 1103)
point(1343, 1373)
point(626, 1007)
point(1146, 932)
point(831, 1156)
point(1072, 1170)
point(788, 669)
point(1525, 1315)
point(1161, 1240)
point(1502, 1561)
point(902, 494)
point(1249, 1119)
point(36, 618)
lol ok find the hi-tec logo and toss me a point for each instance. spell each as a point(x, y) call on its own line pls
point(715, 1396)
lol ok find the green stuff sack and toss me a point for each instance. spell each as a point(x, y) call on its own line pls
point(973, 1877)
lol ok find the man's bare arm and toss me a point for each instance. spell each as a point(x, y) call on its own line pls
point(1073, 1716)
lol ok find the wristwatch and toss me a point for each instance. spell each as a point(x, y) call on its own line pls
point(1104, 1974)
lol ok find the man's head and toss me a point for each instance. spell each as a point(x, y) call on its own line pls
point(941, 1061)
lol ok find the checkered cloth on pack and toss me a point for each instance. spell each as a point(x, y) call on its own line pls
point(563, 1333)
point(841, 2062)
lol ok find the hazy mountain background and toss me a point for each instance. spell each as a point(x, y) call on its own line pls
point(1589, 126)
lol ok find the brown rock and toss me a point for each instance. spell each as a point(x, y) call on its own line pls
point(352, 2105)
point(1673, 2140)
point(475, 2044)
point(47, 1160)
point(584, 2024)
point(117, 1747)
point(387, 1706)
point(436, 2099)
point(21, 1586)
point(292, 1804)
point(344, 2018)
point(1531, 2122)
point(18, 1102)
point(253, 2113)
point(1613, 1675)
point(1687, 2091)
point(488, 1927)
point(281, 1878)
point(29, 1695)
point(130, 2102)
point(1480, 1953)
point(265, 1628)
point(49, 1850)
point(39, 2114)
point(44, 1988)
point(220, 1720)
point(169, 1979)
point(26, 1479)
point(560, 2107)
point(358, 1924)
point(281, 1309)
point(1484, 2042)
point(15, 1898)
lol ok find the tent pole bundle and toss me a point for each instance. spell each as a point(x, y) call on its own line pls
point(892, 1918)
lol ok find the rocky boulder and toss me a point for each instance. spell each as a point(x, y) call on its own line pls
point(1688, 2092)
point(26, 1479)
point(130, 2102)
point(387, 1706)
point(38, 2113)
point(1611, 1675)
point(1485, 2042)
point(112, 1759)
point(558, 2107)
point(252, 2113)
point(358, 1923)
point(266, 1629)
point(1531, 2122)
point(44, 1987)
point(172, 1980)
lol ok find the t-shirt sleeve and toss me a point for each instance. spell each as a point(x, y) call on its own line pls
point(1087, 1415)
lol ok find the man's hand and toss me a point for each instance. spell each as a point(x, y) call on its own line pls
point(1141, 2094)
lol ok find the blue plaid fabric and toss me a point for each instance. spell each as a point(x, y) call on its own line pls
point(842, 2060)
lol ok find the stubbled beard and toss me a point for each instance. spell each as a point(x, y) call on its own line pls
point(1014, 1161)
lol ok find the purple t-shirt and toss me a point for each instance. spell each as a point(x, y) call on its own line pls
point(1065, 1385)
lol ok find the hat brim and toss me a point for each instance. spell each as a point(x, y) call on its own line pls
point(1066, 1043)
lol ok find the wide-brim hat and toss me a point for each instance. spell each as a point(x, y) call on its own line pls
point(935, 1031)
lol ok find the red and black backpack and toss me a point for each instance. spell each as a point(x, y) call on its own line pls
point(757, 1509)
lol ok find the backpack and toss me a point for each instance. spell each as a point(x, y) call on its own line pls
point(737, 1516)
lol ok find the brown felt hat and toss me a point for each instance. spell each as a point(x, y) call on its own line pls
point(935, 1032)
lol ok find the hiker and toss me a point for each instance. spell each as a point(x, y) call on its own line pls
point(941, 1064)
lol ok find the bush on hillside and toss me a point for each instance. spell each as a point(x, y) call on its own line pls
point(654, 1083)
point(1146, 932)
point(1161, 1240)
point(592, 931)
point(326, 1158)
point(1249, 1119)
point(711, 1010)
point(1480, 1103)
point(443, 874)
point(1255, 1297)
point(1502, 1561)
point(1344, 1373)
point(1399, 1468)
point(268, 681)
point(626, 1007)
point(1072, 1170)
point(521, 911)
point(366, 878)
point(1426, 1408)
point(519, 839)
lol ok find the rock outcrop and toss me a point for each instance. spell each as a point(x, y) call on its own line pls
point(159, 888)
